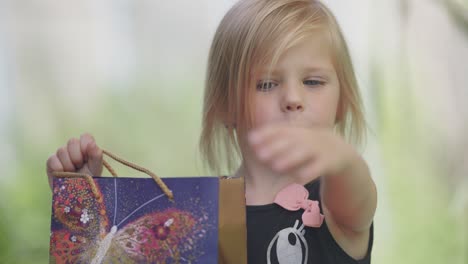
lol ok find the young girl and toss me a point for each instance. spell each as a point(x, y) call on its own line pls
point(281, 93)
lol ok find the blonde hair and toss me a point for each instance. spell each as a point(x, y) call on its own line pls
point(257, 32)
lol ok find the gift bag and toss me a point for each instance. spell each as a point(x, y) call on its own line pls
point(147, 220)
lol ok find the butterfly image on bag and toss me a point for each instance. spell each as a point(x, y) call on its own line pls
point(141, 229)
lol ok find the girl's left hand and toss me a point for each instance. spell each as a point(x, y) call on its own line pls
point(306, 153)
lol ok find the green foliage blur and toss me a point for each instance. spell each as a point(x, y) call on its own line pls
point(133, 124)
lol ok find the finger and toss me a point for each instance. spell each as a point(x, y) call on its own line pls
point(53, 164)
point(264, 134)
point(310, 171)
point(85, 139)
point(297, 157)
point(62, 154)
point(271, 149)
point(94, 159)
point(75, 153)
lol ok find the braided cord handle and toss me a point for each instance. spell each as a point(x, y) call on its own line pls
point(89, 178)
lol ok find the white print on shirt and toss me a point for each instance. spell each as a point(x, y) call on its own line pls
point(291, 246)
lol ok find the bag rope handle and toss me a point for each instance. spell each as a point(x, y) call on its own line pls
point(89, 178)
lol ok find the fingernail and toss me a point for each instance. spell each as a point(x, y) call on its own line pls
point(92, 146)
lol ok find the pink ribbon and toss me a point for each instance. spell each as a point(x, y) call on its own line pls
point(294, 197)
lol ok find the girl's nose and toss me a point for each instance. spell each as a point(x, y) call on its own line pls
point(292, 99)
point(294, 107)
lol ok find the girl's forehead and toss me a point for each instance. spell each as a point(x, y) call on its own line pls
point(310, 53)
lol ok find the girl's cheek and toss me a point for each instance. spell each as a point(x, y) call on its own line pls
point(264, 114)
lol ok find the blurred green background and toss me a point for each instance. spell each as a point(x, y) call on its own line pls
point(131, 73)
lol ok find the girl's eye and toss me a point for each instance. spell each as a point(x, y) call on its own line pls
point(265, 86)
point(314, 82)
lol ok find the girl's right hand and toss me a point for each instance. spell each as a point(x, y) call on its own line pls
point(78, 155)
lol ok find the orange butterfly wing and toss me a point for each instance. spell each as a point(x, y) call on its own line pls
point(157, 237)
point(82, 215)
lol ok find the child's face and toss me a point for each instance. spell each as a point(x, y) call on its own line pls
point(303, 89)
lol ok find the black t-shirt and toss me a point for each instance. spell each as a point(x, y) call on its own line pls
point(277, 236)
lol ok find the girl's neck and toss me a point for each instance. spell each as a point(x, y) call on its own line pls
point(261, 183)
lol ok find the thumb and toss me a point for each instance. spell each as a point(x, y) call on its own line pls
point(94, 154)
